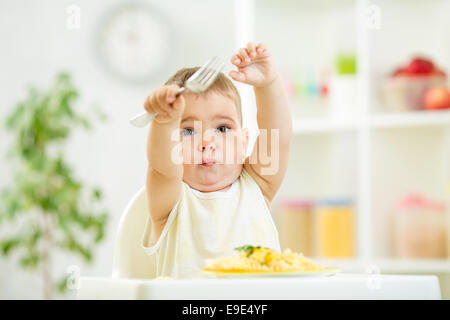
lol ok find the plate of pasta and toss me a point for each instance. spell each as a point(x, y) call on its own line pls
point(257, 261)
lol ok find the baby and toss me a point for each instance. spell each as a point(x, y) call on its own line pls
point(205, 197)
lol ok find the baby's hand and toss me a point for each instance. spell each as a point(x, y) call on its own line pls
point(162, 101)
point(255, 66)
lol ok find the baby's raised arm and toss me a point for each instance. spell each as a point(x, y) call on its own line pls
point(255, 66)
point(164, 175)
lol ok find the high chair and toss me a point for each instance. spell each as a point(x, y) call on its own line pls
point(130, 260)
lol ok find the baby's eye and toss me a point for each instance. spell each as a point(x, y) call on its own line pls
point(223, 128)
point(187, 131)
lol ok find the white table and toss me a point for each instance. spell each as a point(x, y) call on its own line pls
point(339, 286)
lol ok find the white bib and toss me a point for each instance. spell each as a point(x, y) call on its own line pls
point(207, 225)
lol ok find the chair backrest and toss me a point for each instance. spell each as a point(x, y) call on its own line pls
point(130, 260)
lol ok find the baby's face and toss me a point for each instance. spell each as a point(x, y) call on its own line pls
point(213, 142)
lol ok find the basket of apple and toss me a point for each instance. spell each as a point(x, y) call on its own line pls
point(420, 85)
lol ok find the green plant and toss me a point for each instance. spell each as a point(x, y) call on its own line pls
point(345, 64)
point(48, 205)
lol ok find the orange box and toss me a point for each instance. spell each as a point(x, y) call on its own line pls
point(294, 219)
point(334, 229)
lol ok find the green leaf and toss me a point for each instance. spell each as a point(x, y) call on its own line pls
point(97, 193)
point(72, 245)
point(9, 245)
point(84, 122)
point(12, 204)
point(62, 284)
point(99, 113)
point(247, 248)
point(16, 118)
point(33, 238)
point(30, 262)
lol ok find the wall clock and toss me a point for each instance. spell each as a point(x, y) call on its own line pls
point(134, 42)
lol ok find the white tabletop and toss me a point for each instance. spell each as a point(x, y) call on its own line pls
point(339, 286)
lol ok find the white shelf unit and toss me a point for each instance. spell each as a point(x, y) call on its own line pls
point(411, 120)
point(342, 157)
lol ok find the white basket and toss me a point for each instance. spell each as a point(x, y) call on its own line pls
point(402, 94)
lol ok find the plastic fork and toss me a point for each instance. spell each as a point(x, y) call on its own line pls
point(198, 82)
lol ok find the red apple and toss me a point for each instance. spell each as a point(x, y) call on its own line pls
point(437, 98)
point(439, 72)
point(420, 66)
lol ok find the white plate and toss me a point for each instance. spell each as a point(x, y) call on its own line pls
point(218, 274)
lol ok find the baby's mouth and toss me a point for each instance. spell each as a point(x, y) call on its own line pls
point(208, 162)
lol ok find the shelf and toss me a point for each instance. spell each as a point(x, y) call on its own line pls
point(379, 121)
point(411, 119)
point(321, 125)
point(431, 266)
point(415, 265)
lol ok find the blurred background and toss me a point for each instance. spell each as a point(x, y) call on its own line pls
point(368, 184)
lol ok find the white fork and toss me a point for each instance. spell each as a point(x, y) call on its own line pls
point(198, 82)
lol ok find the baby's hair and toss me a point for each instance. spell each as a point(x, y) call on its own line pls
point(221, 85)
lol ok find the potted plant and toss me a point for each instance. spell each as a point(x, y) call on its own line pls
point(46, 207)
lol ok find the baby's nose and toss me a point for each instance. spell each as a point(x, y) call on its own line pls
point(208, 144)
point(207, 141)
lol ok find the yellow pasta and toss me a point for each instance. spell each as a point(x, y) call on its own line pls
point(259, 259)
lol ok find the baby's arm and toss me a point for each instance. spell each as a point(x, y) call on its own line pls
point(256, 67)
point(164, 174)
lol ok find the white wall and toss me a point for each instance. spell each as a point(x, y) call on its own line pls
point(35, 44)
